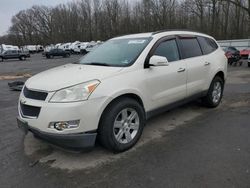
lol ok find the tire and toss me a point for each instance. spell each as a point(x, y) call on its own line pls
point(1, 59)
point(48, 56)
point(119, 137)
point(83, 52)
point(22, 58)
point(248, 64)
point(215, 93)
point(66, 55)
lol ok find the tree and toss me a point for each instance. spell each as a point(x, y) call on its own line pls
point(87, 20)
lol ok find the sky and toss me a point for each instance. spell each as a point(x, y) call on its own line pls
point(9, 8)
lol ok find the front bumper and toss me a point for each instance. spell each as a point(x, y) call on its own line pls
point(74, 141)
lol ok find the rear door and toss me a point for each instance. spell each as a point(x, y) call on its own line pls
point(60, 52)
point(15, 54)
point(166, 84)
point(54, 52)
point(208, 47)
point(196, 64)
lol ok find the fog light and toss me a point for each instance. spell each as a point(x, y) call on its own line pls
point(61, 125)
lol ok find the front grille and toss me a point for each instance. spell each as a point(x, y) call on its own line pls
point(30, 111)
point(37, 95)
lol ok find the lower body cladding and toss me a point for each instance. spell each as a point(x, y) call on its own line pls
point(68, 125)
point(72, 141)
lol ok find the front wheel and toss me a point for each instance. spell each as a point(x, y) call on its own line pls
point(121, 125)
point(248, 64)
point(214, 94)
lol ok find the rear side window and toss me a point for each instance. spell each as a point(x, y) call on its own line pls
point(168, 49)
point(190, 47)
point(207, 45)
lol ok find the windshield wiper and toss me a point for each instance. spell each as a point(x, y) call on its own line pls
point(97, 63)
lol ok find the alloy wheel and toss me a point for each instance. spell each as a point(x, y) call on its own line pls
point(126, 125)
point(216, 94)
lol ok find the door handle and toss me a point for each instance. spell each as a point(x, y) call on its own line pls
point(207, 63)
point(181, 70)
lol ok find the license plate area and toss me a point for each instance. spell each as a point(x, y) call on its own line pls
point(22, 125)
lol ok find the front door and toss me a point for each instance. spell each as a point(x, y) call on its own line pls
point(167, 84)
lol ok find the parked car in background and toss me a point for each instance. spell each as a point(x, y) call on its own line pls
point(57, 52)
point(232, 54)
point(14, 54)
point(73, 46)
point(245, 53)
point(4, 47)
point(91, 46)
point(111, 91)
point(47, 48)
point(64, 46)
point(81, 48)
point(39, 48)
point(58, 45)
point(249, 60)
point(31, 48)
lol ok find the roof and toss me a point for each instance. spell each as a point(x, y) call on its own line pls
point(138, 35)
point(161, 33)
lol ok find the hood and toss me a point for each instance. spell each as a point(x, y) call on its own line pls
point(68, 75)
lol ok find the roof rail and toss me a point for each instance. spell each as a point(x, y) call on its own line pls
point(166, 30)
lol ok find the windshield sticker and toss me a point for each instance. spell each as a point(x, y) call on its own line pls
point(125, 62)
point(136, 41)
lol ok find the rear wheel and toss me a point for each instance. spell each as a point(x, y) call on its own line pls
point(248, 64)
point(83, 52)
point(22, 58)
point(66, 55)
point(121, 125)
point(215, 92)
point(1, 59)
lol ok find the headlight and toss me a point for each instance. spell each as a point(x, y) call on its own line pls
point(75, 93)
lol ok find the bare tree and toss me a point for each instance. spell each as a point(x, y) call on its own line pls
point(87, 20)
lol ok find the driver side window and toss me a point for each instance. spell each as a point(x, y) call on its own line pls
point(169, 50)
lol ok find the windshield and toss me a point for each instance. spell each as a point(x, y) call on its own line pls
point(116, 52)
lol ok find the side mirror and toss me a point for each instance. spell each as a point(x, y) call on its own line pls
point(156, 60)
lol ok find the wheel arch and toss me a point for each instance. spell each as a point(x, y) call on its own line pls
point(119, 97)
point(221, 75)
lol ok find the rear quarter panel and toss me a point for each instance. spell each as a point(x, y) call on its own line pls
point(218, 62)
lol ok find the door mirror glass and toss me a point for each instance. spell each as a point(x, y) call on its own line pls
point(156, 60)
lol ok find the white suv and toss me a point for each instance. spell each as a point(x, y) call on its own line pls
point(111, 91)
